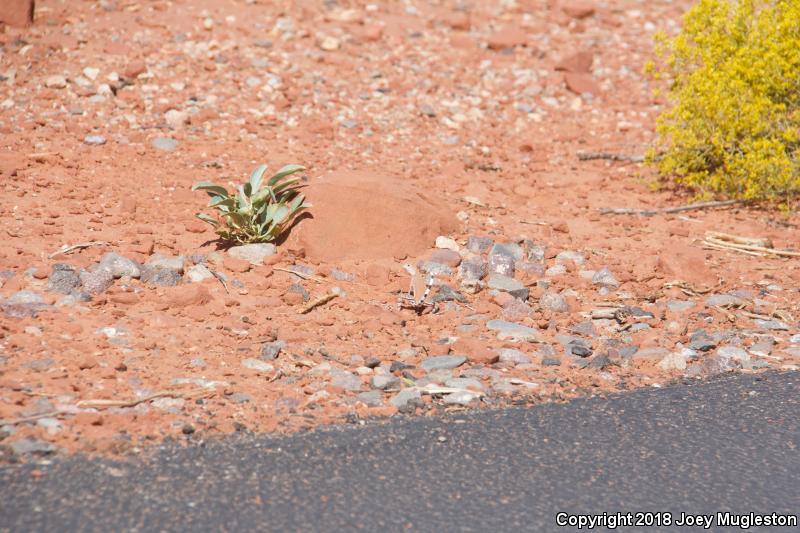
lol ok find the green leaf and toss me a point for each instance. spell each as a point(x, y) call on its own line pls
point(285, 171)
point(217, 201)
point(256, 177)
point(210, 188)
point(207, 218)
point(243, 198)
point(286, 186)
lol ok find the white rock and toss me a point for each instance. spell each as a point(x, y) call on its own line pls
point(176, 118)
point(446, 243)
point(198, 273)
point(91, 73)
point(55, 82)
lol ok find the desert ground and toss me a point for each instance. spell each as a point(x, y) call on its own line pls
point(479, 142)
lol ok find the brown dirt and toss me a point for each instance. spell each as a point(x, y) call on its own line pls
point(413, 123)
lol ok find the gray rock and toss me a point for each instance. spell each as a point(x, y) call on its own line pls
point(176, 263)
point(258, 365)
point(372, 398)
point(599, 361)
point(442, 362)
point(579, 347)
point(271, 350)
point(120, 266)
point(472, 271)
point(478, 245)
point(514, 357)
point(511, 331)
point(679, 305)
point(299, 289)
point(448, 294)
point(551, 361)
point(512, 250)
point(556, 270)
point(384, 381)
point(552, 301)
point(28, 446)
point(532, 269)
point(52, 425)
point(25, 298)
point(339, 275)
point(198, 273)
point(64, 279)
point(165, 144)
point(427, 110)
point(460, 398)
point(164, 277)
point(436, 269)
point(721, 300)
point(604, 278)
point(94, 140)
point(509, 285)
point(402, 398)
point(345, 380)
point(733, 352)
point(673, 361)
point(96, 281)
point(253, 253)
point(653, 352)
point(535, 252)
point(406, 353)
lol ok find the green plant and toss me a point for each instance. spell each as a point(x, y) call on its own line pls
point(257, 211)
point(734, 128)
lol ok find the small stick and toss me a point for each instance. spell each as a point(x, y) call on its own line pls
point(590, 156)
point(66, 249)
point(666, 210)
point(318, 301)
point(221, 280)
point(299, 274)
point(739, 244)
point(31, 418)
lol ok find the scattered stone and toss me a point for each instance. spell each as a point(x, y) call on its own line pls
point(442, 362)
point(673, 361)
point(427, 110)
point(398, 366)
point(722, 300)
point(471, 272)
point(271, 350)
point(51, 425)
point(258, 365)
point(578, 347)
point(94, 140)
point(679, 306)
point(372, 362)
point(647, 353)
point(600, 361)
point(402, 398)
point(511, 331)
point(446, 257)
point(96, 281)
point(436, 269)
point(552, 301)
point(296, 288)
point(774, 325)
point(479, 245)
point(198, 273)
point(605, 278)
point(448, 294)
point(63, 279)
point(384, 382)
point(175, 263)
point(513, 357)
point(339, 275)
point(565, 256)
point(236, 265)
point(509, 285)
point(503, 264)
point(165, 144)
point(120, 266)
point(464, 383)
point(175, 119)
point(55, 82)
point(733, 352)
point(446, 243)
point(551, 361)
point(253, 253)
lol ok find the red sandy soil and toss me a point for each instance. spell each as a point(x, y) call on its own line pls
point(414, 119)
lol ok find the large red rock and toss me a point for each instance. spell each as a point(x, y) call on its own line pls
point(362, 216)
point(17, 12)
point(581, 83)
point(580, 63)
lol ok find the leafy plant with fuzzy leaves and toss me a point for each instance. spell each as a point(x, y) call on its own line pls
point(258, 211)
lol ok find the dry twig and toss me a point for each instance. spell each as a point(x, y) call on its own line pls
point(299, 274)
point(745, 245)
point(191, 393)
point(316, 302)
point(608, 156)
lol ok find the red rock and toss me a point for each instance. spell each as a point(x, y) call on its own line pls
point(475, 350)
point(234, 264)
point(188, 296)
point(508, 37)
point(581, 83)
point(579, 10)
point(579, 63)
point(196, 226)
point(377, 275)
point(372, 33)
point(292, 298)
point(87, 363)
point(17, 12)
point(134, 68)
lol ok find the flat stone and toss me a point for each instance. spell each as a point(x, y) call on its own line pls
point(436, 269)
point(511, 356)
point(679, 306)
point(165, 144)
point(509, 285)
point(651, 353)
point(63, 280)
point(512, 331)
point(442, 362)
point(28, 446)
point(258, 365)
point(479, 245)
point(605, 278)
point(94, 140)
point(512, 250)
point(446, 257)
point(446, 293)
point(464, 383)
point(120, 266)
point(372, 398)
point(345, 380)
point(576, 257)
point(733, 352)
point(700, 341)
point(175, 263)
point(253, 253)
point(775, 325)
point(673, 361)
point(96, 281)
point(722, 300)
point(164, 277)
point(504, 265)
point(25, 298)
point(446, 243)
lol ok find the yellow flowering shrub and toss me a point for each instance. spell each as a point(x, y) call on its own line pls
point(734, 74)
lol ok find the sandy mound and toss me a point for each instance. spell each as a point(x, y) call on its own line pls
point(360, 216)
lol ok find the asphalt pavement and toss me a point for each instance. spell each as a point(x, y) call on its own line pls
point(725, 445)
